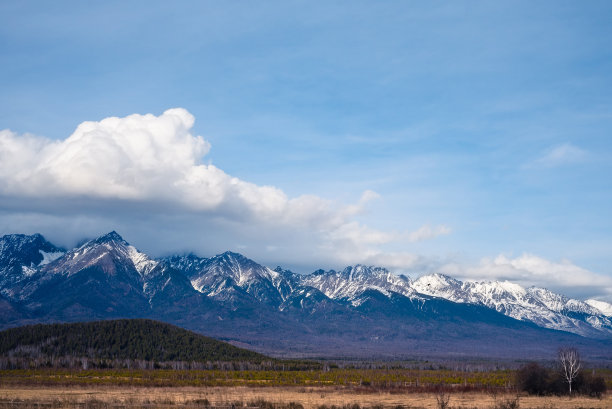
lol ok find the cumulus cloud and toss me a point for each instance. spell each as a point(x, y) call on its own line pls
point(560, 155)
point(532, 270)
point(135, 169)
point(136, 157)
point(143, 158)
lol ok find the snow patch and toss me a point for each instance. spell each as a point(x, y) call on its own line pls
point(49, 257)
point(27, 271)
point(141, 261)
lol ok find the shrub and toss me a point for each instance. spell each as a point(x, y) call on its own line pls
point(533, 379)
point(591, 385)
point(508, 404)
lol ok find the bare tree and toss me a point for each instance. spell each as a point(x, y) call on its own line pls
point(569, 358)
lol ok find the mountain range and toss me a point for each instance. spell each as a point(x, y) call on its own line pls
point(361, 311)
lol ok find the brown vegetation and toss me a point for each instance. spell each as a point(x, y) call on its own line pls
point(131, 397)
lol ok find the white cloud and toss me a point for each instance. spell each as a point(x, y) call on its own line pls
point(141, 158)
point(118, 170)
point(560, 155)
point(531, 270)
point(136, 157)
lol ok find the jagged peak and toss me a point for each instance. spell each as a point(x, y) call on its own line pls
point(438, 278)
point(367, 270)
point(110, 243)
point(23, 237)
point(230, 253)
point(17, 241)
point(109, 237)
point(281, 270)
point(356, 271)
point(231, 256)
point(242, 269)
point(321, 272)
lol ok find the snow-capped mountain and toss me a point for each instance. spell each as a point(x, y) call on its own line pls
point(351, 282)
point(228, 273)
point(440, 285)
point(231, 272)
point(233, 297)
point(109, 251)
point(538, 305)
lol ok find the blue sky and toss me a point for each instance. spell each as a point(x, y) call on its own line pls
point(482, 127)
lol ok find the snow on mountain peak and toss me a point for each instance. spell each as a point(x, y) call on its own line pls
point(354, 280)
point(538, 305)
point(498, 289)
point(602, 306)
point(110, 246)
point(435, 281)
point(443, 286)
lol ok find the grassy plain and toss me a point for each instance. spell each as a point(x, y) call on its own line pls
point(107, 397)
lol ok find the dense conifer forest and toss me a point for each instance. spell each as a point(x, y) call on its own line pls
point(129, 339)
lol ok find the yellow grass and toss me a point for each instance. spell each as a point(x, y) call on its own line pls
point(308, 397)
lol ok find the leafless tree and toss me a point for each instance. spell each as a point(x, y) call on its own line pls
point(569, 358)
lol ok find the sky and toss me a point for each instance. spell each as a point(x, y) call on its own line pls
point(466, 138)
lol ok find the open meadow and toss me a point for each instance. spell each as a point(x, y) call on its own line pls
point(354, 388)
point(103, 397)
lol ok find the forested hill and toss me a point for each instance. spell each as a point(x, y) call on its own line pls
point(130, 339)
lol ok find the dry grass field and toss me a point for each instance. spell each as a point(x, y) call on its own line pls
point(103, 397)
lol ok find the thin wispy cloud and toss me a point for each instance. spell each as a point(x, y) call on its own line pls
point(560, 155)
